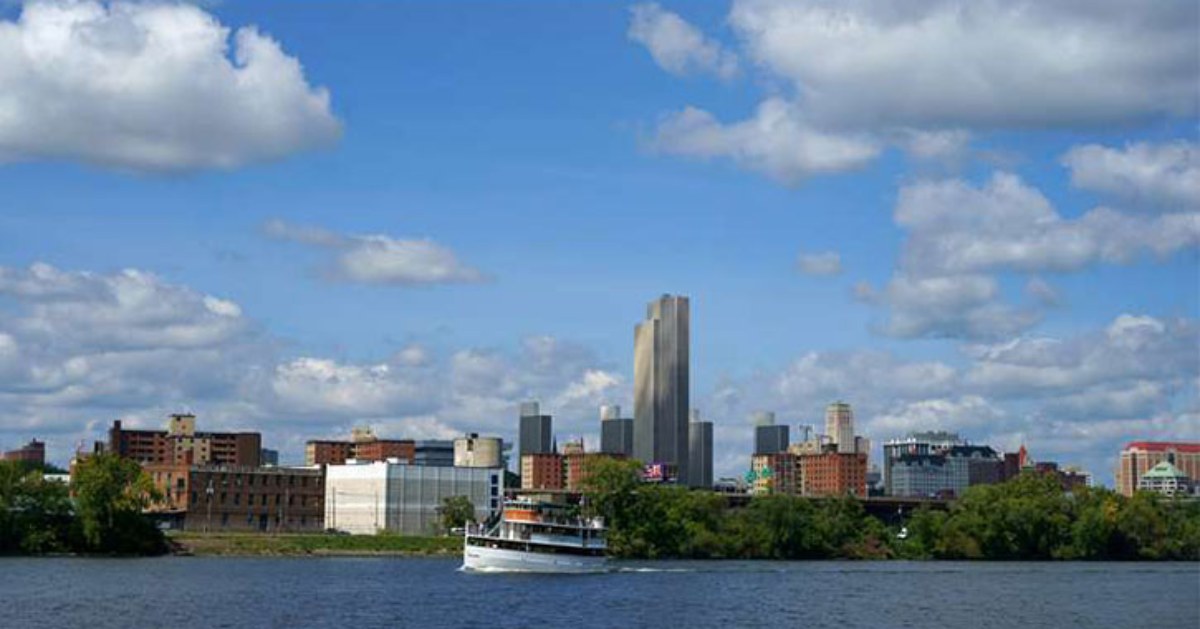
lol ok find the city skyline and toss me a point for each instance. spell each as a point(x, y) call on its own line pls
point(453, 210)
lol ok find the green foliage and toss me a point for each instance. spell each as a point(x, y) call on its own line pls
point(1027, 518)
point(110, 496)
point(35, 515)
point(1031, 517)
point(456, 511)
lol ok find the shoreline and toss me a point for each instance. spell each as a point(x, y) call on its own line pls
point(310, 545)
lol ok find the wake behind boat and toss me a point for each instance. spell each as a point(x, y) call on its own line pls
point(533, 536)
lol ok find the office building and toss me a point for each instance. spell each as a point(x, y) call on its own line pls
point(939, 464)
point(700, 452)
point(239, 498)
point(366, 498)
point(33, 452)
point(180, 443)
point(268, 457)
point(661, 385)
point(1140, 457)
point(535, 430)
point(915, 443)
point(769, 437)
point(1167, 480)
point(616, 432)
point(433, 453)
point(475, 451)
point(839, 426)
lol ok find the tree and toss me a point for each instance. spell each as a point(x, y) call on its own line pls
point(110, 495)
point(35, 514)
point(456, 512)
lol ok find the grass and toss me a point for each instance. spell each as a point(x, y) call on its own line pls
point(317, 544)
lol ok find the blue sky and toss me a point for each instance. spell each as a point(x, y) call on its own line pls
point(546, 149)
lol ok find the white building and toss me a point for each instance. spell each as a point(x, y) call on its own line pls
point(367, 497)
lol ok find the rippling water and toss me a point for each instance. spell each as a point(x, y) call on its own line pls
point(399, 592)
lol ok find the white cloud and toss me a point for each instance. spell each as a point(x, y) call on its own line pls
point(380, 259)
point(942, 145)
point(959, 237)
point(951, 306)
point(954, 227)
point(1130, 349)
point(842, 80)
point(78, 349)
point(823, 263)
point(777, 141)
point(677, 46)
point(939, 64)
point(1152, 176)
point(966, 414)
point(151, 86)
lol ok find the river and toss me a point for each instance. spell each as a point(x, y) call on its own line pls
point(347, 593)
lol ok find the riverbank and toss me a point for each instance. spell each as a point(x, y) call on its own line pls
point(317, 544)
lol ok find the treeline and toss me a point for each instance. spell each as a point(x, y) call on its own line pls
point(1026, 518)
point(104, 516)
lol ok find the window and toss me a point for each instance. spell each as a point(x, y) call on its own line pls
point(237, 499)
point(264, 500)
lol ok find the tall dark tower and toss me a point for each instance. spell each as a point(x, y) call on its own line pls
point(534, 431)
point(660, 374)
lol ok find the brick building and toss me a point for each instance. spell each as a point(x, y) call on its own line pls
point(363, 445)
point(239, 498)
point(32, 452)
point(833, 473)
point(542, 471)
point(180, 443)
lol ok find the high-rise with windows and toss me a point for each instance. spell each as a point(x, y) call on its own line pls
point(660, 373)
point(839, 425)
point(616, 432)
point(534, 431)
point(700, 452)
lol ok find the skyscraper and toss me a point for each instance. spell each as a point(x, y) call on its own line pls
point(700, 452)
point(535, 430)
point(660, 373)
point(839, 425)
point(616, 432)
point(769, 438)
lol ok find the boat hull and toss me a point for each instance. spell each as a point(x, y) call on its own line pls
point(486, 559)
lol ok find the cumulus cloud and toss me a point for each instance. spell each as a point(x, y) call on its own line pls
point(150, 86)
point(969, 413)
point(960, 236)
point(1146, 175)
point(1132, 348)
point(78, 349)
point(929, 75)
point(823, 263)
point(677, 46)
point(1137, 377)
point(777, 141)
point(939, 64)
point(380, 259)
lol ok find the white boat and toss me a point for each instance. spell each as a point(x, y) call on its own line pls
point(532, 536)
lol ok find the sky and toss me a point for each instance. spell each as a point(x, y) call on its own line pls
point(298, 218)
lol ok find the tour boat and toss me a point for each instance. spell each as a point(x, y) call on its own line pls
point(531, 536)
